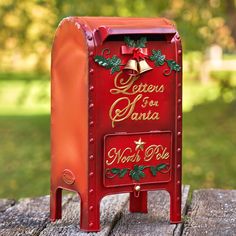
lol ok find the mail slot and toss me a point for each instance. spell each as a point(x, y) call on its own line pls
point(116, 113)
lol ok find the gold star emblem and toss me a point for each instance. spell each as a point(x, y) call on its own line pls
point(139, 144)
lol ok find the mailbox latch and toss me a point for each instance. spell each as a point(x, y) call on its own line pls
point(137, 189)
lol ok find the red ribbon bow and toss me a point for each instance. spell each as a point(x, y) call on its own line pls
point(138, 53)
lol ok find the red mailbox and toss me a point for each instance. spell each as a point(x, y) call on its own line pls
point(116, 113)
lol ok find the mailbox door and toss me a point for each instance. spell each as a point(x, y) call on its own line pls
point(135, 96)
point(137, 158)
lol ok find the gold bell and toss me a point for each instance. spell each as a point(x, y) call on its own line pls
point(132, 65)
point(143, 66)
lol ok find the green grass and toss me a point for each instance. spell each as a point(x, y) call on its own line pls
point(209, 145)
point(24, 156)
point(209, 138)
point(23, 76)
point(195, 93)
point(24, 97)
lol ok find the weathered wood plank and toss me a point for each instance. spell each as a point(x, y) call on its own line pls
point(110, 208)
point(27, 217)
point(185, 194)
point(212, 212)
point(5, 203)
point(156, 222)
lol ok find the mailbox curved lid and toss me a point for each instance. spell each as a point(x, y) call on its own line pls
point(102, 27)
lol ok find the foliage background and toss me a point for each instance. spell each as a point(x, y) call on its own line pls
point(26, 35)
point(27, 27)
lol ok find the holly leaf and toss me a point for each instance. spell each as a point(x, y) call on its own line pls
point(161, 167)
point(113, 63)
point(115, 171)
point(153, 170)
point(157, 57)
point(137, 172)
point(135, 176)
point(115, 69)
point(173, 65)
point(115, 60)
point(123, 172)
point(102, 61)
point(129, 42)
point(141, 43)
point(141, 167)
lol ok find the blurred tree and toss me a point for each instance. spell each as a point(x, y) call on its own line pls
point(202, 23)
point(230, 7)
point(27, 26)
point(26, 31)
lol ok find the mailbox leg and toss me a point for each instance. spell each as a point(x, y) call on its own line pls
point(175, 206)
point(138, 203)
point(55, 204)
point(90, 215)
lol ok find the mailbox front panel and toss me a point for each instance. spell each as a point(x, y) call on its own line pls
point(135, 88)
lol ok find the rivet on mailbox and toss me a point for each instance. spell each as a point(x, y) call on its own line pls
point(116, 113)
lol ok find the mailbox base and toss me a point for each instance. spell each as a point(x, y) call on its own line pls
point(56, 204)
point(175, 205)
point(89, 215)
point(90, 212)
point(138, 203)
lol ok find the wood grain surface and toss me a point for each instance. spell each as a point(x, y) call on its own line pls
point(212, 212)
point(155, 222)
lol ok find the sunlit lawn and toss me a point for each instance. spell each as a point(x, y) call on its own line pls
point(24, 97)
point(209, 145)
point(209, 138)
point(24, 155)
